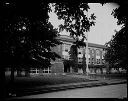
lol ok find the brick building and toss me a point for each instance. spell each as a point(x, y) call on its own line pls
point(95, 56)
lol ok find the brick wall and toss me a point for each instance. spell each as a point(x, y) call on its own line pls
point(57, 67)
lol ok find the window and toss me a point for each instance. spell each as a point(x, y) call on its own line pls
point(65, 51)
point(80, 50)
point(103, 54)
point(89, 60)
point(93, 52)
point(79, 53)
point(98, 61)
point(89, 51)
point(47, 70)
point(34, 71)
point(92, 60)
point(66, 47)
point(80, 60)
point(66, 57)
point(98, 52)
point(103, 61)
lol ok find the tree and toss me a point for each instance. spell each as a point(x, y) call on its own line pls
point(67, 65)
point(26, 36)
point(76, 21)
point(73, 57)
point(117, 46)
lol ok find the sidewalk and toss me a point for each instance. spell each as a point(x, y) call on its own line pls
point(58, 87)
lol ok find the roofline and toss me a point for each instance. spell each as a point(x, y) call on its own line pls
point(70, 39)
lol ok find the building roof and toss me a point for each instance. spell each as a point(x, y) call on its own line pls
point(70, 39)
point(66, 38)
point(96, 45)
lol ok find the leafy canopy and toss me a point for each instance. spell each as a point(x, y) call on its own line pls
point(26, 34)
point(117, 46)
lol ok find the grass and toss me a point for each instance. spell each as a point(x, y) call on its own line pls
point(113, 75)
point(22, 83)
point(25, 82)
point(42, 80)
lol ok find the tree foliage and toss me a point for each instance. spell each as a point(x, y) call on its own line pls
point(73, 57)
point(117, 47)
point(26, 37)
point(76, 22)
point(26, 34)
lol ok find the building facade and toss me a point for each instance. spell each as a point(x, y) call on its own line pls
point(95, 53)
point(95, 56)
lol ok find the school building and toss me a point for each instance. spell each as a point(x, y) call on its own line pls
point(96, 54)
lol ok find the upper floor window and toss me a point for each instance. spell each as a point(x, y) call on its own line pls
point(89, 51)
point(66, 47)
point(66, 50)
point(93, 52)
point(92, 60)
point(103, 61)
point(98, 52)
point(79, 53)
point(89, 60)
point(103, 54)
point(80, 50)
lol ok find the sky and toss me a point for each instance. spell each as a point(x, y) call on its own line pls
point(105, 23)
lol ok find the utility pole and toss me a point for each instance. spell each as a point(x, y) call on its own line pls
point(87, 69)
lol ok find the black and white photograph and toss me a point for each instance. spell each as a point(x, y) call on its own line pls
point(63, 49)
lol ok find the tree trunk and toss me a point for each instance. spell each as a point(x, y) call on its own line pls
point(84, 69)
point(118, 71)
point(12, 75)
point(75, 68)
point(75, 64)
point(101, 70)
point(95, 70)
point(84, 66)
point(27, 72)
point(107, 68)
point(11, 84)
point(84, 62)
point(19, 72)
point(3, 90)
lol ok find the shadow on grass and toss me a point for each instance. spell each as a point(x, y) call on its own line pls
point(112, 75)
point(28, 82)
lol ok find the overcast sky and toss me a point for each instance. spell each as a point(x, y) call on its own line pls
point(104, 26)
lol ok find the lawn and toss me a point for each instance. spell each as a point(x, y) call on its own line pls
point(112, 75)
point(42, 80)
point(26, 82)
